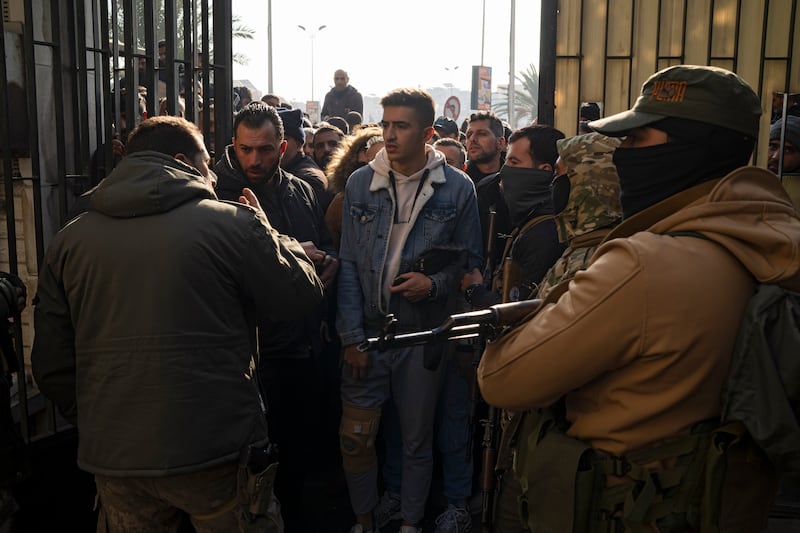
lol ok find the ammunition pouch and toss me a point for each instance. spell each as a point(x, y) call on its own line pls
point(357, 432)
point(676, 486)
point(556, 475)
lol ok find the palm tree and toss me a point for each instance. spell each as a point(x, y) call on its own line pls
point(239, 29)
point(526, 97)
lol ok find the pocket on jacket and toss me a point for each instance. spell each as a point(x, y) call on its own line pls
point(364, 219)
point(439, 223)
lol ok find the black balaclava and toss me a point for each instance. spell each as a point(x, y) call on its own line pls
point(525, 191)
point(696, 152)
point(559, 192)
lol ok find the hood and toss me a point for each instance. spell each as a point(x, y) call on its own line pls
point(436, 160)
point(593, 185)
point(228, 166)
point(747, 212)
point(147, 183)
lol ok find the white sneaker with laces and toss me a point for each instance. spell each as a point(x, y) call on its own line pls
point(454, 520)
point(388, 509)
point(358, 528)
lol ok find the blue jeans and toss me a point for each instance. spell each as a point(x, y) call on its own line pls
point(452, 436)
point(401, 376)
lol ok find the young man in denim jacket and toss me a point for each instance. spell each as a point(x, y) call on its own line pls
point(405, 203)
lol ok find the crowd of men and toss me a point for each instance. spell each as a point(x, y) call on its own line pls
point(202, 324)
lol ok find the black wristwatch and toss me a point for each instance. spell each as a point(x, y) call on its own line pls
point(434, 290)
point(469, 291)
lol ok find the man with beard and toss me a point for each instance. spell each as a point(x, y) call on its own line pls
point(627, 366)
point(327, 139)
point(289, 366)
point(486, 144)
point(790, 148)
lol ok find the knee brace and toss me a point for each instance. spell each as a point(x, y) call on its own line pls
point(357, 438)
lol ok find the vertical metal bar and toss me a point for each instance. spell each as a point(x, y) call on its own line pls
point(206, 72)
point(171, 29)
point(8, 185)
point(511, 67)
point(81, 83)
point(151, 57)
point(658, 32)
point(189, 54)
point(131, 67)
point(223, 75)
point(547, 61)
point(114, 35)
point(33, 142)
point(58, 101)
point(683, 30)
point(736, 35)
point(790, 43)
point(761, 66)
point(605, 55)
point(632, 92)
point(106, 59)
point(710, 33)
point(269, 47)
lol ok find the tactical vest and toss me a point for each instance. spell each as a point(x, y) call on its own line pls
point(686, 484)
point(509, 279)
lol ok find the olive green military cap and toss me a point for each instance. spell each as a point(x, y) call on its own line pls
point(705, 94)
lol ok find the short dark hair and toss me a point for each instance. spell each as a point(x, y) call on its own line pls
point(417, 99)
point(255, 114)
point(324, 126)
point(267, 97)
point(542, 139)
point(495, 124)
point(167, 135)
point(340, 123)
point(449, 141)
point(353, 119)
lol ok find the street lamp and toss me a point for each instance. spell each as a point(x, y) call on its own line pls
point(312, 34)
point(453, 71)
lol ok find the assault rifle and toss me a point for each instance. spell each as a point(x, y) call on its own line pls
point(485, 323)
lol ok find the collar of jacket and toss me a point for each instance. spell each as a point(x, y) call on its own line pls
point(381, 181)
point(645, 219)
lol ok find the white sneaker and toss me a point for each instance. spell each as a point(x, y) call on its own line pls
point(388, 509)
point(358, 528)
point(454, 520)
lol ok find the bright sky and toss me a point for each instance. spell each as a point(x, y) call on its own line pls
point(383, 45)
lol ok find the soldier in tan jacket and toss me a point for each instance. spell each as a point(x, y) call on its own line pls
point(635, 352)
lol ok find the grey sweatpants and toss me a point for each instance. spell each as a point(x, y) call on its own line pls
point(398, 374)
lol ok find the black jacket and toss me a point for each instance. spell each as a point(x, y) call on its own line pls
point(339, 103)
point(292, 209)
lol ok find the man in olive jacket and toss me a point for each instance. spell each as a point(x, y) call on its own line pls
point(145, 337)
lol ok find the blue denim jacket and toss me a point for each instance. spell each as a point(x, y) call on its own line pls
point(447, 217)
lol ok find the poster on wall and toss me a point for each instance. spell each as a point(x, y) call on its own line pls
point(312, 108)
point(481, 88)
